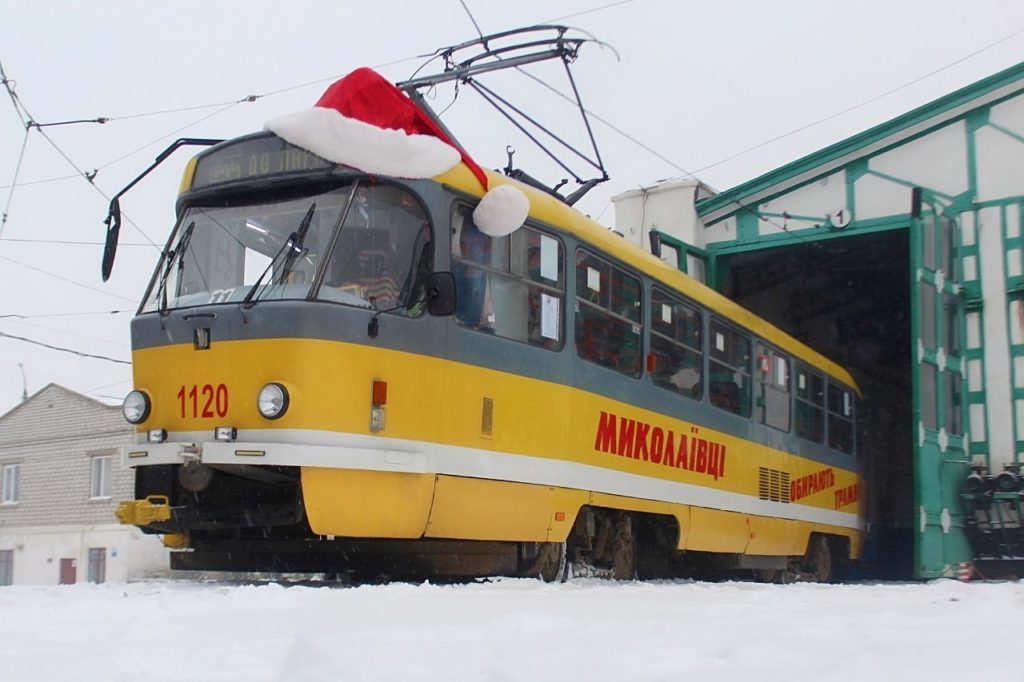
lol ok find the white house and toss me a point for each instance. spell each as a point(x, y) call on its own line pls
point(60, 460)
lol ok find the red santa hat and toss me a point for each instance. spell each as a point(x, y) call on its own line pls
point(365, 122)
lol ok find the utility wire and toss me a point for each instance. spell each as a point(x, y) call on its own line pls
point(78, 314)
point(66, 241)
point(65, 350)
point(14, 181)
point(103, 388)
point(108, 342)
point(864, 103)
point(471, 18)
point(588, 11)
point(65, 279)
point(173, 132)
point(27, 120)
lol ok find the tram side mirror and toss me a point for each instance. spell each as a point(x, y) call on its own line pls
point(441, 294)
point(113, 223)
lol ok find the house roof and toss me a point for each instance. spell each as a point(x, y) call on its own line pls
point(55, 412)
point(915, 122)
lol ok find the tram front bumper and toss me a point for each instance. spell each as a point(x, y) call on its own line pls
point(356, 453)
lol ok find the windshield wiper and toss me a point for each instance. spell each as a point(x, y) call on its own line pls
point(298, 243)
point(176, 254)
point(293, 247)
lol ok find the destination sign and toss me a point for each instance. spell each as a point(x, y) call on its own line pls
point(254, 159)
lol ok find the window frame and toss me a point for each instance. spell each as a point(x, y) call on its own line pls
point(744, 407)
point(603, 310)
point(659, 296)
point(96, 568)
point(105, 479)
point(772, 356)
point(820, 407)
point(833, 416)
point(10, 488)
point(6, 567)
point(513, 271)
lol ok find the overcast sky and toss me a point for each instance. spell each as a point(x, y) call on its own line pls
point(700, 82)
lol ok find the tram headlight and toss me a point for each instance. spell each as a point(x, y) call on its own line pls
point(135, 407)
point(273, 401)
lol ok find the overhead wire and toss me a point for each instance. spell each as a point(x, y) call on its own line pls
point(75, 314)
point(23, 113)
point(74, 242)
point(54, 330)
point(862, 104)
point(14, 181)
point(471, 18)
point(90, 176)
point(65, 279)
point(63, 349)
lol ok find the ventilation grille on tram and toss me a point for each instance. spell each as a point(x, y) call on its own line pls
point(487, 418)
point(773, 485)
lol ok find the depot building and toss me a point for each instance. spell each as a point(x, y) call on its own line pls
point(898, 253)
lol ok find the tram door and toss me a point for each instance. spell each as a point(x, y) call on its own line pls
point(941, 461)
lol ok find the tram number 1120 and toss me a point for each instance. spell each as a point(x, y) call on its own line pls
point(203, 402)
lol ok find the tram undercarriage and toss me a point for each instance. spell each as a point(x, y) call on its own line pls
point(197, 509)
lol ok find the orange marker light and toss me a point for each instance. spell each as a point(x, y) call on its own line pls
point(559, 516)
point(380, 392)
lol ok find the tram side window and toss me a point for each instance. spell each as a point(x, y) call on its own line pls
point(772, 388)
point(840, 419)
point(676, 343)
point(729, 369)
point(511, 286)
point(607, 314)
point(810, 405)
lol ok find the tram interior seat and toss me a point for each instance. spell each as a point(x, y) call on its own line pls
point(725, 394)
point(596, 343)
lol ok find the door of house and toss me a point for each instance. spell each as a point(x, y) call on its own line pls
point(68, 568)
point(940, 455)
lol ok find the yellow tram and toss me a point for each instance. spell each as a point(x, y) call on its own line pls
point(344, 370)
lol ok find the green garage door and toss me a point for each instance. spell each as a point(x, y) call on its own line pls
point(940, 455)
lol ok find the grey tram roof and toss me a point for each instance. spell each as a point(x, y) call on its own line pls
point(907, 126)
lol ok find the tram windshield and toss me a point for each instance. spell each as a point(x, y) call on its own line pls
point(360, 245)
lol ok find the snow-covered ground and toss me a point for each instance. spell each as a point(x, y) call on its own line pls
point(512, 630)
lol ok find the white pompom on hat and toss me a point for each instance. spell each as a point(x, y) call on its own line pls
point(502, 211)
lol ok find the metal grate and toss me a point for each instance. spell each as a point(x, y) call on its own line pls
point(487, 418)
point(773, 485)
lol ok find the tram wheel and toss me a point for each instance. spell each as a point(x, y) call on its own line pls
point(551, 563)
point(624, 548)
point(821, 561)
point(816, 565)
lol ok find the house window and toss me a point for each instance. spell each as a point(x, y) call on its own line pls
point(12, 480)
point(100, 486)
point(6, 567)
point(97, 564)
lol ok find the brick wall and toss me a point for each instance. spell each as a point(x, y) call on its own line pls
point(53, 437)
